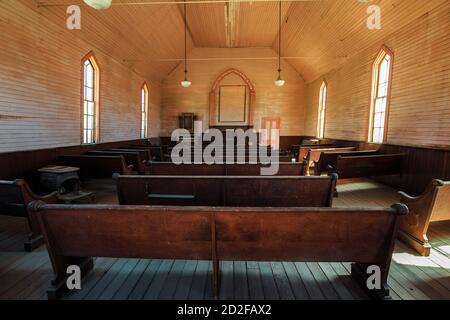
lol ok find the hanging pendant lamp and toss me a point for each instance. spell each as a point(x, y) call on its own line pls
point(279, 82)
point(98, 4)
point(185, 83)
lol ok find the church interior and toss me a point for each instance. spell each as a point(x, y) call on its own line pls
point(224, 149)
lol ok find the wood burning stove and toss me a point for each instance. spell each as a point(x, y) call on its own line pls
point(66, 181)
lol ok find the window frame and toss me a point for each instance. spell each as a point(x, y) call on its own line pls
point(376, 69)
point(320, 134)
point(144, 88)
point(96, 98)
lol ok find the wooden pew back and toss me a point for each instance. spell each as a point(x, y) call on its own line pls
point(169, 169)
point(97, 166)
point(131, 158)
point(144, 153)
point(274, 191)
point(156, 152)
point(304, 149)
point(314, 154)
point(329, 158)
point(73, 234)
point(367, 166)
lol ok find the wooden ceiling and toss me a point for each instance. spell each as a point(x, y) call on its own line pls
point(317, 35)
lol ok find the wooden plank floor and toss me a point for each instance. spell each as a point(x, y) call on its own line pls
point(27, 275)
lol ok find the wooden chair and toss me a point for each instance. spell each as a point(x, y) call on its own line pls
point(433, 205)
point(14, 199)
point(75, 234)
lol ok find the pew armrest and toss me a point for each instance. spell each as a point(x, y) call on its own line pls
point(317, 169)
point(50, 198)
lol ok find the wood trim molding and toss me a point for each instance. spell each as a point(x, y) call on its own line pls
point(214, 88)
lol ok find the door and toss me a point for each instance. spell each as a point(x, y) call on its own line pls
point(270, 133)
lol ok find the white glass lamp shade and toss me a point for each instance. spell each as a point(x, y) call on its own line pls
point(186, 83)
point(279, 82)
point(98, 4)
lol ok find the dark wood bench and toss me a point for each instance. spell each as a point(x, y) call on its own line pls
point(169, 169)
point(14, 199)
point(156, 152)
point(74, 234)
point(304, 149)
point(144, 153)
point(131, 157)
point(329, 158)
point(432, 206)
point(274, 191)
point(245, 157)
point(314, 155)
point(368, 166)
point(97, 166)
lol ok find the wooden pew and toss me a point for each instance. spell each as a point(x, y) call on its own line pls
point(97, 166)
point(14, 199)
point(169, 169)
point(368, 166)
point(144, 153)
point(130, 157)
point(284, 169)
point(74, 234)
point(329, 158)
point(274, 191)
point(314, 154)
point(304, 149)
point(156, 152)
point(432, 206)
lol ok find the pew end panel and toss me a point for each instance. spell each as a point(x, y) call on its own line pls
point(432, 206)
point(14, 199)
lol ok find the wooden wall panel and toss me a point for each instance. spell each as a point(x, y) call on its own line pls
point(420, 98)
point(40, 85)
point(23, 164)
point(420, 167)
point(286, 102)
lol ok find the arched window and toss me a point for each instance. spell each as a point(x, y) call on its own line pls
point(90, 97)
point(381, 91)
point(144, 110)
point(322, 110)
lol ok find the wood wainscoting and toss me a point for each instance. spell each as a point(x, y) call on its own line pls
point(23, 164)
point(421, 166)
